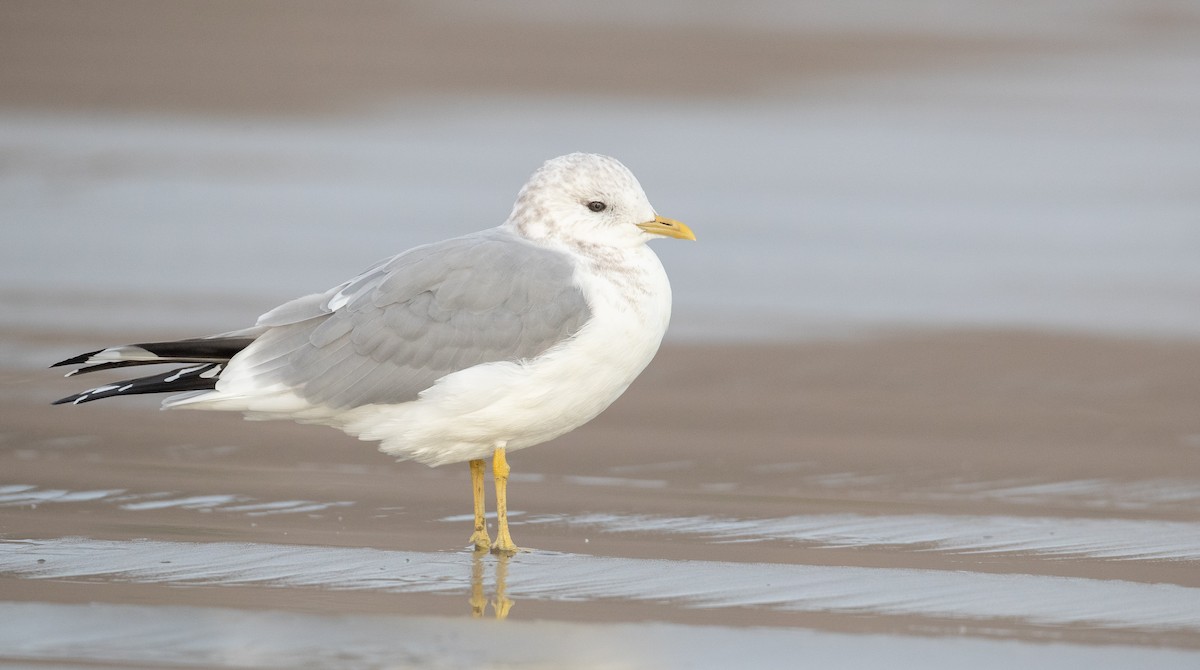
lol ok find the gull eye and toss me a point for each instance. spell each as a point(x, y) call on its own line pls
point(597, 206)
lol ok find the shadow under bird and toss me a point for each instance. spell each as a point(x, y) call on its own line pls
point(454, 351)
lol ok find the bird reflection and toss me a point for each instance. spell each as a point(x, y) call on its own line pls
point(500, 602)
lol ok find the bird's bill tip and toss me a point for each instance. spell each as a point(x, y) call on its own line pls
point(661, 225)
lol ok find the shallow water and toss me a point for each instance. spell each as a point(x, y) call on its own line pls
point(189, 636)
point(1048, 188)
point(934, 498)
point(997, 600)
point(909, 527)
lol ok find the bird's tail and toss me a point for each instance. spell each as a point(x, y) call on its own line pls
point(207, 358)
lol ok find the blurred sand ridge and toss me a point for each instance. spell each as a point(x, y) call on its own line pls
point(930, 389)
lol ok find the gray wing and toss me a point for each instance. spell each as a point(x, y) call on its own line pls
point(391, 332)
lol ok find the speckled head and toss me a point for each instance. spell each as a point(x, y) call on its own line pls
point(583, 198)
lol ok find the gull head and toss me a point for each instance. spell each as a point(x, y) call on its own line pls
point(589, 199)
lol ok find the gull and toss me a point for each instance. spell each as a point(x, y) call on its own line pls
point(460, 350)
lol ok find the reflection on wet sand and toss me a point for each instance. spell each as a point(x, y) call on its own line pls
point(938, 500)
point(1118, 539)
point(1020, 494)
point(920, 599)
point(500, 602)
point(91, 635)
point(30, 496)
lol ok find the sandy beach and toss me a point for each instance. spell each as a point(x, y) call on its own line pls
point(947, 463)
point(303, 58)
point(929, 398)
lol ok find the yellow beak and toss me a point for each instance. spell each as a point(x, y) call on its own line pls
point(668, 227)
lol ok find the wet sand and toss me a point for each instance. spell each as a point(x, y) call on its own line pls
point(942, 496)
point(982, 485)
point(306, 57)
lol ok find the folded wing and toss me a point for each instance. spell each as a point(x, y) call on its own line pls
point(391, 332)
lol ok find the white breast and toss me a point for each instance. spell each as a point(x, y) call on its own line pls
point(467, 414)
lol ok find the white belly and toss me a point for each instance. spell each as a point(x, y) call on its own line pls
point(466, 415)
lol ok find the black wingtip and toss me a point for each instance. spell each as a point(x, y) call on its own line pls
point(86, 396)
point(201, 377)
point(108, 366)
point(77, 360)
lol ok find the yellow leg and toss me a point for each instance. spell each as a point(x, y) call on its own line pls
point(504, 544)
point(480, 537)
